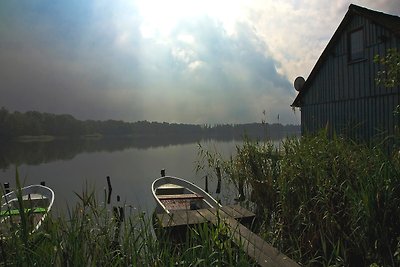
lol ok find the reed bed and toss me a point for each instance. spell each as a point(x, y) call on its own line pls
point(93, 234)
point(322, 201)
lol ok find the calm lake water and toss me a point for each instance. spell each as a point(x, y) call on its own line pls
point(70, 166)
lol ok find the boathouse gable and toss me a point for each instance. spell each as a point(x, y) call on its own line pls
point(341, 93)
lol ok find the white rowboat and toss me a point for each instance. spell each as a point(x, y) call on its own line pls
point(172, 193)
point(35, 201)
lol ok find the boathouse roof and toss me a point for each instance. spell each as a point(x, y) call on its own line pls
point(390, 22)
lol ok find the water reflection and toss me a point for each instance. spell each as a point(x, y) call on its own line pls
point(35, 153)
point(70, 166)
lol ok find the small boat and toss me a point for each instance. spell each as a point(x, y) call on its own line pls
point(34, 201)
point(172, 193)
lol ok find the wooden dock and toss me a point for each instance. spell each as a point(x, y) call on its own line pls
point(233, 216)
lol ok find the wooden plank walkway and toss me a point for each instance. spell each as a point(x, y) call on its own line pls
point(259, 250)
point(190, 217)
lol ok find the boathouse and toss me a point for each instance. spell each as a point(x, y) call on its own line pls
point(341, 93)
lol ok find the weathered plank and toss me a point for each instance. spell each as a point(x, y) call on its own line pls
point(170, 220)
point(180, 218)
point(262, 252)
point(188, 217)
point(244, 212)
point(207, 214)
point(231, 211)
point(239, 213)
point(180, 196)
point(257, 249)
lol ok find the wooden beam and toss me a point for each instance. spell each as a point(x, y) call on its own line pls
point(185, 217)
point(257, 249)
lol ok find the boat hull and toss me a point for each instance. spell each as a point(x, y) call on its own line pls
point(33, 202)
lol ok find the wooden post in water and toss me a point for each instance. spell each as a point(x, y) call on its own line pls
point(43, 183)
point(109, 190)
point(7, 188)
point(120, 210)
point(119, 218)
point(219, 178)
point(162, 172)
point(240, 197)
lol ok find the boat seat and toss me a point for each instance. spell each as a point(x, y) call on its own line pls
point(33, 196)
point(170, 190)
point(180, 196)
point(26, 211)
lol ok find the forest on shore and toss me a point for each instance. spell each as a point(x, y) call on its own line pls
point(34, 123)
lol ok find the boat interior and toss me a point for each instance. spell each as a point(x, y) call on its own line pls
point(175, 197)
point(34, 207)
point(28, 201)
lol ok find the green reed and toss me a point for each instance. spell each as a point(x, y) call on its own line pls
point(89, 234)
point(322, 201)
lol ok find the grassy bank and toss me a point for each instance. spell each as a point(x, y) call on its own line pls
point(91, 234)
point(321, 201)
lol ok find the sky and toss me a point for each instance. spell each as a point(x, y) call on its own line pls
point(177, 61)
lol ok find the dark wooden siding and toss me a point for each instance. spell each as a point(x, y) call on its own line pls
point(345, 97)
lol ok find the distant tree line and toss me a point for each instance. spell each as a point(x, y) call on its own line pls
point(33, 123)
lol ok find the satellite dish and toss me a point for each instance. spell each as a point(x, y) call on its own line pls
point(299, 83)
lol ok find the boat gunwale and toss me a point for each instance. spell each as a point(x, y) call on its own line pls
point(183, 183)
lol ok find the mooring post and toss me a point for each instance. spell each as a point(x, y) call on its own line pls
point(219, 177)
point(119, 217)
point(120, 210)
point(109, 190)
point(241, 195)
point(7, 188)
point(241, 189)
point(206, 185)
point(43, 183)
point(162, 172)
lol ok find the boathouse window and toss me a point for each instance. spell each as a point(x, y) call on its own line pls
point(356, 45)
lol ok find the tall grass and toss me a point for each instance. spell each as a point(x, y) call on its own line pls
point(91, 235)
point(322, 201)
